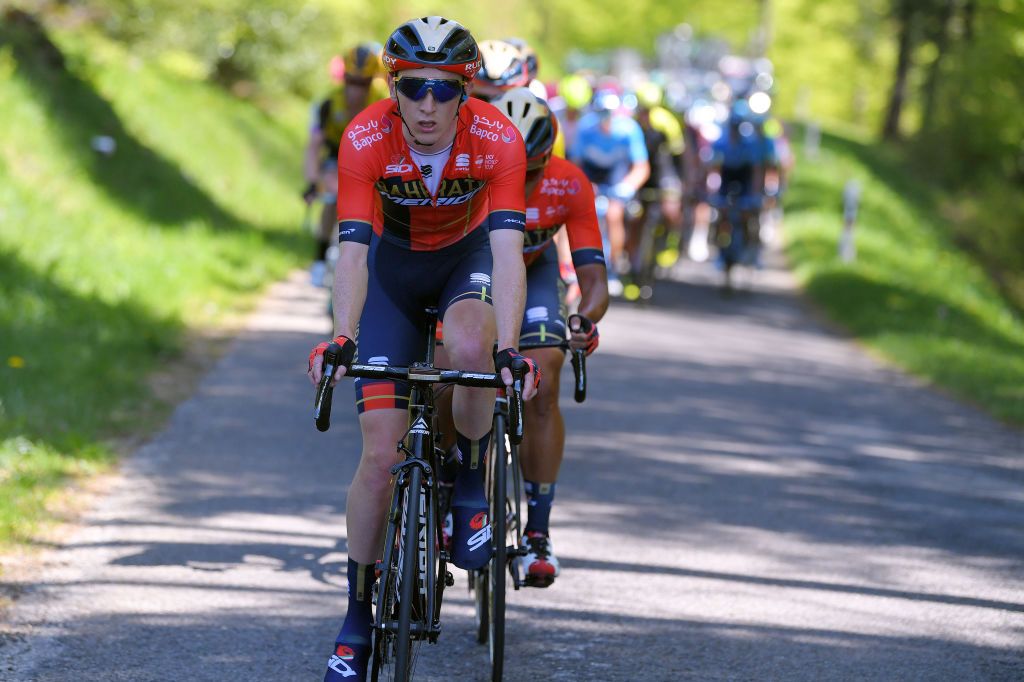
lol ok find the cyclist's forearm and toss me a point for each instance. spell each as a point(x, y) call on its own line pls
point(593, 281)
point(350, 281)
point(638, 174)
point(311, 160)
point(509, 293)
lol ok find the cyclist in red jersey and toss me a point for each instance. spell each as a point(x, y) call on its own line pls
point(430, 212)
point(558, 193)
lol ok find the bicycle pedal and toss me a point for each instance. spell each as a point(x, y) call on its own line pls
point(449, 579)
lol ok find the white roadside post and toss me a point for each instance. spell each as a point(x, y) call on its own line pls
point(851, 200)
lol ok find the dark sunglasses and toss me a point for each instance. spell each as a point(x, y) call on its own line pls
point(416, 88)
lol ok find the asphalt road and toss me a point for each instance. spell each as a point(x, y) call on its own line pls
point(745, 496)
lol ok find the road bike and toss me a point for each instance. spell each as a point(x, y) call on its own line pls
point(504, 490)
point(413, 571)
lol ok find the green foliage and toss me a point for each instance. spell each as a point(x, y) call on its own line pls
point(246, 45)
point(910, 294)
point(106, 261)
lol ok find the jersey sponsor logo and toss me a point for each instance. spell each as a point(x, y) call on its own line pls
point(385, 124)
point(559, 187)
point(363, 136)
point(509, 134)
point(487, 123)
point(488, 161)
point(462, 162)
point(450, 192)
point(537, 239)
point(486, 129)
point(483, 133)
point(398, 169)
point(532, 213)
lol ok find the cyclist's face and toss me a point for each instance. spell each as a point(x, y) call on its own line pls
point(484, 91)
point(429, 119)
point(533, 177)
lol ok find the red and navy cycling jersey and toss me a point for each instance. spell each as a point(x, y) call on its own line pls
point(564, 196)
point(381, 189)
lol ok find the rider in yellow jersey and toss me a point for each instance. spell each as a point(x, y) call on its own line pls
point(663, 136)
point(362, 84)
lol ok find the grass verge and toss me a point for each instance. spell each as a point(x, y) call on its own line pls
point(911, 293)
point(109, 260)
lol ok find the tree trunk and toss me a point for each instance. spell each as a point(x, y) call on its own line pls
point(897, 96)
point(940, 39)
point(969, 11)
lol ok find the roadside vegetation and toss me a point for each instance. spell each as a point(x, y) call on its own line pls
point(137, 204)
point(912, 294)
point(149, 168)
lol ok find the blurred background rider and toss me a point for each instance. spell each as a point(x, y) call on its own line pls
point(360, 76)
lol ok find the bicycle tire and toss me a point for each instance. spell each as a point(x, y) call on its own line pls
point(387, 594)
point(409, 564)
point(498, 566)
point(393, 659)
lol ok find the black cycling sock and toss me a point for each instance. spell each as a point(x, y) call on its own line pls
point(469, 484)
point(321, 250)
point(471, 531)
point(360, 589)
point(539, 497)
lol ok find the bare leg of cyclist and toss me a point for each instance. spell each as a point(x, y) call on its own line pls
point(616, 231)
point(469, 333)
point(328, 223)
point(366, 509)
point(541, 458)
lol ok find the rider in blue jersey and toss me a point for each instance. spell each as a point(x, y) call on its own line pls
point(610, 149)
point(738, 156)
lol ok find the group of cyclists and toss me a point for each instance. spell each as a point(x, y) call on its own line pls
point(451, 178)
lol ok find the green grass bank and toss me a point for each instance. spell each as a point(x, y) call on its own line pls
point(108, 260)
point(911, 294)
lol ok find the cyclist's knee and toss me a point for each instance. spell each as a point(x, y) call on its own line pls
point(379, 455)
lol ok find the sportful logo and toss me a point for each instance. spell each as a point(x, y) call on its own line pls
point(532, 213)
point(480, 278)
point(537, 314)
point(462, 162)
